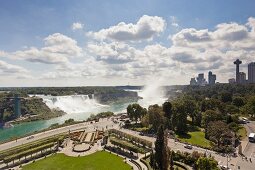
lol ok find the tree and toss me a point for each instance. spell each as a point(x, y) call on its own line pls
point(135, 111)
point(250, 106)
point(179, 119)
point(204, 163)
point(152, 160)
point(234, 127)
point(190, 107)
point(197, 118)
point(156, 117)
point(218, 132)
point(161, 150)
point(145, 120)
point(238, 102)
point(171, 161)
point(210, 115)
point(226, 97)
point(167, 108)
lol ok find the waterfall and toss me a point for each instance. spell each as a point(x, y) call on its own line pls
point(72, 103)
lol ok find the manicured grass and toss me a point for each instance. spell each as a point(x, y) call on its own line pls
point(242, 133)
point(195, 138)
point(98, 161)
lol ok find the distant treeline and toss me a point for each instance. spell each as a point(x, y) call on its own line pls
point(61, 91)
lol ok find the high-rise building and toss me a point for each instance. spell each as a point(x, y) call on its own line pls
point(251, 72)
point(211, 78)
point(237, 63)
point(242, 78)
point(231, 81)
point(200, 79)
point(193, 81)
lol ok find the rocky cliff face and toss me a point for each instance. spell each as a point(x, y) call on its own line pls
point(106, 98)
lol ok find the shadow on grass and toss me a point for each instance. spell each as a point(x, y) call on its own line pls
point(184, 136)
point(193, 128)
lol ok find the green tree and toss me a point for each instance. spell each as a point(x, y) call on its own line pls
point(179, 119)
point(210, 115)
point(250, 106)
point(226, 97)
point(161, 150)
point(190, 107)
point(204, 163)
point(171, 161)
point(167, 108)
point(238, 102)
point(135, 111)
point(219, 133)
point(156, 117)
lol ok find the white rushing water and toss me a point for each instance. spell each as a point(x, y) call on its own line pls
point(72, 103)
point(152, 94)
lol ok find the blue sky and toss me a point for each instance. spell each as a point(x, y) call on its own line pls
point(26, 24)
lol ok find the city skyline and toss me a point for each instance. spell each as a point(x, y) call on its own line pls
point(84, 43)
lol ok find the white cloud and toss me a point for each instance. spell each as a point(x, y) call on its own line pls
point(77, 26)
point(58, 49)
point(10, 69)
point(145, 29)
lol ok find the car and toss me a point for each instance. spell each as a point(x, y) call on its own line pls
point(141, 134)
point(30, 137)
point(224, 167)
point(245, 120)
point(188, 146)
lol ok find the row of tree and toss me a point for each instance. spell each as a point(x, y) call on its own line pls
point(163, 158)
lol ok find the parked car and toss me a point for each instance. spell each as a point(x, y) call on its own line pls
point(141, 134)
point(224, 167)
point(30, 137)
point(188, 146)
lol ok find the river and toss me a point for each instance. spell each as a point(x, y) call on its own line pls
point(77, 107)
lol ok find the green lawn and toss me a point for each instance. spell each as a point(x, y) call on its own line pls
point(97, 161)
point(195, 138)
point(242, 132)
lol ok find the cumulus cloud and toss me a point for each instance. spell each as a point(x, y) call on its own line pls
point(77, 26)
point(9, 69)
point(112, 53)
point(145, 29)
point(57, 50)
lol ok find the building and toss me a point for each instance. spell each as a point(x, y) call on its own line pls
point(200, 79)
point(211, 78)
point(193, 82)
point(251, 72)
point(242, 78)
point(237, 63)
point(231, 81)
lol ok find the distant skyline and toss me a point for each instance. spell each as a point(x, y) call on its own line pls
point(81, 43)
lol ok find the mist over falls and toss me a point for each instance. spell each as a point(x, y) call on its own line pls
point(152, 94)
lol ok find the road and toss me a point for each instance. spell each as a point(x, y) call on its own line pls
point(248, 150)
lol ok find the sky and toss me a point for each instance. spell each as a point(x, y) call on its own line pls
point(98, 42)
